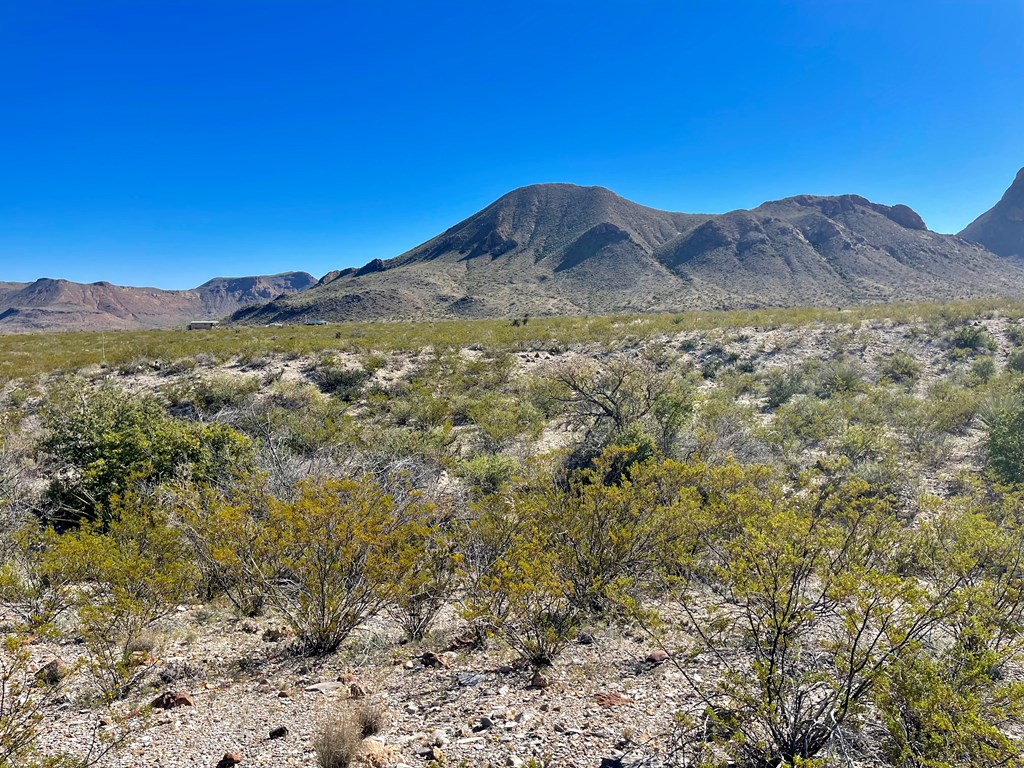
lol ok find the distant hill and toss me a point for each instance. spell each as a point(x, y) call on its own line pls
point(561, 249)
point(1001, 229)
point(48, 304)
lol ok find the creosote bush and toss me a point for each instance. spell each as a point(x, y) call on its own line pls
point(334, 556)
point(131, 572)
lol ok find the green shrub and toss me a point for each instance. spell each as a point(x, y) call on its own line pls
point(900, 368)
point(1015, 362)
point(104, 442)
point(765, 588)
point(983, 369)
point(972, 339)
point(344, 383)
point(334, 556)
point(1003, 418)
point(559, 555)
point(781, 385)
point(131, 572)
point(212, 394)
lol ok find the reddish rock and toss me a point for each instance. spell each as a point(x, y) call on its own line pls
point(611, 699)
point(229, 759)
point(657, 656)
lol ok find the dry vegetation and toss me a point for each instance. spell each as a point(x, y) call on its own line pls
point(769, 538)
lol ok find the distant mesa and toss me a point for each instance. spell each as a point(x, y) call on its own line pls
point(60, 305)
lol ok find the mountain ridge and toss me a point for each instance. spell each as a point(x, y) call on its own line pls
point(1001, 228)
point(57, 304)
point(562, 249)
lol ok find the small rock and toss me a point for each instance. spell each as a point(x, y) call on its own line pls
point(513, 761)
point(431, 659)
point(52, 672)
point(229, 759)
point(411, 708)
point(276, 634)
point(540, 680)
point(657, 656)
point(470, 679)
point(358, 690)
point(611, 699)
point(376, 753)
point(172, 700)
point(285, 693)
point(279, 733)
point(439, 738)
point(250, 626)
point(105, 721)
point(585, 638)
point(327, 687)
point(611, 762)
point(483, 724)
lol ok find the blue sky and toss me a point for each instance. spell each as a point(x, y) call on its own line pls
point(162, 143)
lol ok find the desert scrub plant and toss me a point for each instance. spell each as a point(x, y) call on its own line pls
point(208, 395)
point(900, 368)
point(345, 383)
point(337, 741)
point(951, 703)
point(602, 400)
point(519, 591)
point(334, 556)
point(103, 442)
point(559, 551)
point(431, 579)
point(222, 531)
point(781, 385)
point(840, 377)
point(23, 702)
point(487, 474)
point(30, 590)
point(1003, 418)
point(339, 736)
point(802, 596)
point(132, 571)
point(970, 340)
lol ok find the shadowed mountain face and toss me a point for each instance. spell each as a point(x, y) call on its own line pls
point(50, 305)
point(561, 249)
point(1001, 229)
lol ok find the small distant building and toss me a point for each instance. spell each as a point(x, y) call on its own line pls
point(316, 322)
point(203, 325)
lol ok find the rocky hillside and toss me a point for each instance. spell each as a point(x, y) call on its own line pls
point(61, 305)
point(1001, 229)
point(561, 249)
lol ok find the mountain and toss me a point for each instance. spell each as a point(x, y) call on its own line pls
point(561, 249)
point(47, 304)
point(1001, 229)
point(223, 295)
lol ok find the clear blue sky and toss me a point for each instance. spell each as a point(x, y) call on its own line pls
point(161, 143)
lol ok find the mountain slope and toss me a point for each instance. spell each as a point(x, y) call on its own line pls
point(1001, 229)
point(562, 249)
point(50, 304)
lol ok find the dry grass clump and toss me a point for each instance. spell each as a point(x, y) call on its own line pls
point(338, 738)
